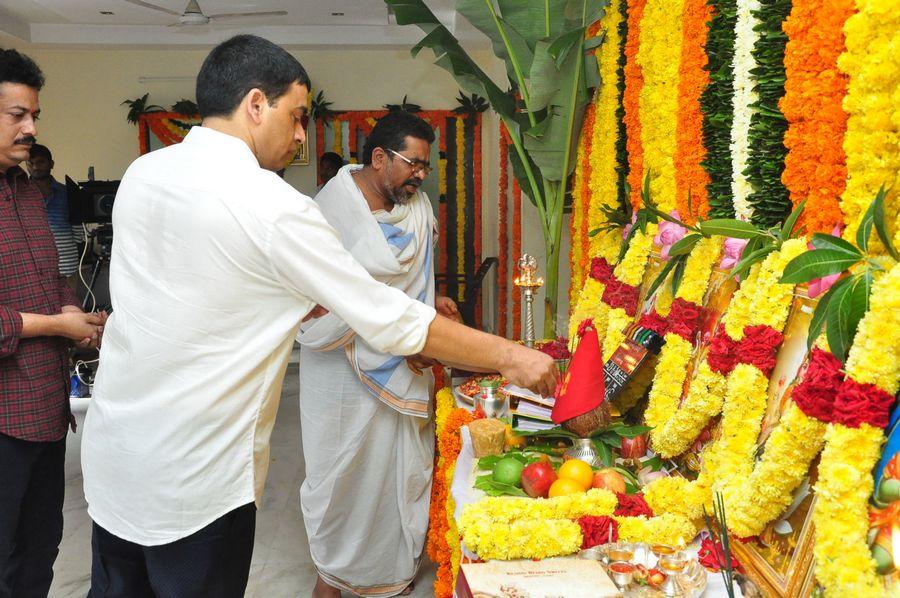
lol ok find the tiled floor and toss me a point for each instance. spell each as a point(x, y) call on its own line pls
point(281, 565)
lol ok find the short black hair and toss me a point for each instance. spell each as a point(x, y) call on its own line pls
point(41, 151)
point(332, 158)
point(391, 131)
point(240, 64)
point(18, 68)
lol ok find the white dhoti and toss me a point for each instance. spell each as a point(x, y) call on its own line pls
point(368, 480)
point(368, 433)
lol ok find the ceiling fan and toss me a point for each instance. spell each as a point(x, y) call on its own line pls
point(193, 16)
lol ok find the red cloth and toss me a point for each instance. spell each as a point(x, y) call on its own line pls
point(583, 387)
point(33, 371)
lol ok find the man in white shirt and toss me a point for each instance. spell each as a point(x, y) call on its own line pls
point(215, 263)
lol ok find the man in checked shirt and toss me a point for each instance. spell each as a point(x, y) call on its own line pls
point(39, 319)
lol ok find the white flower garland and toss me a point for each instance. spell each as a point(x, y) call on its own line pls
point(744, 97)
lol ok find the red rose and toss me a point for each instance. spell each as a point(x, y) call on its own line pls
point(632, 505)
point(584, 327)
point(619, 294)
point(653, 321)
point(684, 318)
point(722, 352)
point(862, 404)
point(601, 269)
point(759, 347)
point(598, 530)
point(815, 395)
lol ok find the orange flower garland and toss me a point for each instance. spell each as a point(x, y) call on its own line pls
point(449, 445)
point(815, 167)
point(581, 199)
point(634, 82)
point(516, 252)
point(503, 237)
point(690, 176)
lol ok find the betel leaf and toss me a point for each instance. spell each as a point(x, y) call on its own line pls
point(816, 264)
point(791, 221)
point(729, 227)
point(684, 245)
point(823, 241)
point(820, 313)
point(494, 488)
point(845, 310)
point(881, 223)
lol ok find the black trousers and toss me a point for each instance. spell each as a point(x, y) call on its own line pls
point(213, 562)
point(32, 485)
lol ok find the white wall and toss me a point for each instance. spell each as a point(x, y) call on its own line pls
point(83, 121)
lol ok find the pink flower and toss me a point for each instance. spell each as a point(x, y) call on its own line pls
point(628, 227)
point(669, 234)
point(734, 249)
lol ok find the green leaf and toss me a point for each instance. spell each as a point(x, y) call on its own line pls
point(678, 274)
point(845, 309)
point(816, 264)
point(530, 18)
point(864, 231)
point(791, 222)
point(823, 241)
point(821, 312)
point(625, 242)
point(492, 488)
point(605, 452)
point(748, 260)
point(881, 223)
point(729, 227)
point(661, 277)
point(594, 232)
point(684, 245)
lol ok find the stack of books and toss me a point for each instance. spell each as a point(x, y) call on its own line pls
point(532, 411)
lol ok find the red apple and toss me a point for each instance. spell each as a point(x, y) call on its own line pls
point(537, 479)
point(634, 448)
point(609, 479)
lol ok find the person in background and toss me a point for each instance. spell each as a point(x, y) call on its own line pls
point(39, 317)
point(329, 164)
point(365, 415)
point(40, 165)
point(216, 262)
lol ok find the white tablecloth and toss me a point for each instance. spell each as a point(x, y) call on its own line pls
point(463, 493)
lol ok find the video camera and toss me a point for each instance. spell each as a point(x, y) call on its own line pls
point(91, 202)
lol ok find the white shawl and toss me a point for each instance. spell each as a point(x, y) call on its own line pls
point(395, 248)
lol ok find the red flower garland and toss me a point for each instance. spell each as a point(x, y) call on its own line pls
point(631, 100)
point(684, 318)
point(758, 348)
point(858, 404)
point(816, 393)
point(516, 252)
point(597, 530)
point(503, 236)
point(619, 294)
point(632, 505)
point(655, 322)
point(601, 270)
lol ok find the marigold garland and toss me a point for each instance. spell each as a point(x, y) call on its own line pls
point(581, 200)
point(630, 272)
point(691, 179)
point(815, 168)
point(658, 56)
point(634, 81)
point(516, 252)
point(844, 565)
point(503, 238)
point(872, 142)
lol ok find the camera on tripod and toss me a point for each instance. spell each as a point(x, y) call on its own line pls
point(91, 203)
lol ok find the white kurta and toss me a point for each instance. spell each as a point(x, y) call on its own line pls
point(368, 456)
point(215, 261)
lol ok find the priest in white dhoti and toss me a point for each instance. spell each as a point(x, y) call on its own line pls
point(366, 420)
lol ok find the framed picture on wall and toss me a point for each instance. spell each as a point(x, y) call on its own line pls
point(301, 158)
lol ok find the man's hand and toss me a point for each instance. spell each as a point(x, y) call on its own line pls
point(447, 308)
point(317, 312)
point(93, 341)
point(79, 326)
point(530, 369)
point(420, 362)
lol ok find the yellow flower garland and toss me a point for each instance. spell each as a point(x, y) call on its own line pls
point(844, 565)
point(659, 56)
point(669, 529)
point(589, 304)
point(602, 182)
point(872, 141)
point(629, 271)
point(745, 394)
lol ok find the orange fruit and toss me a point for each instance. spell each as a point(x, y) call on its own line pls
point(563, 486)
point(513, 441)
point(578, 471)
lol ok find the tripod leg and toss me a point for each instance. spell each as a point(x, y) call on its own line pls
point(90, 288)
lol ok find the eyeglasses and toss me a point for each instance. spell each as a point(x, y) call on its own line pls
point(416, 166)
